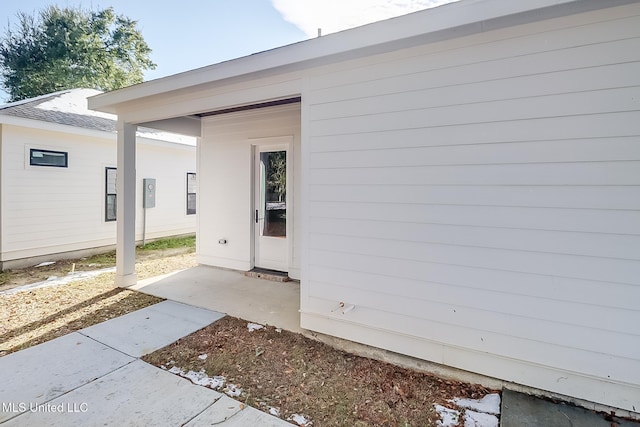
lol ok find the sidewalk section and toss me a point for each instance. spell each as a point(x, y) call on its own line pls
point(94, 377)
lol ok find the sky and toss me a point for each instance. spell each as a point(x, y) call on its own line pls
point(188, 34)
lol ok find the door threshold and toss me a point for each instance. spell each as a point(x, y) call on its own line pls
point(264, 273)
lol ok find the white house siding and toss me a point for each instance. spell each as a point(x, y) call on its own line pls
point(169, 164)
point(225, 184)
point(49, 210)
point(478, 201)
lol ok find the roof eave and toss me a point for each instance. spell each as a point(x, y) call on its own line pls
point(453, 20)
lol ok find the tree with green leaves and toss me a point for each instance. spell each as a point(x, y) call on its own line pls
point(277, 180)
point(67, 48)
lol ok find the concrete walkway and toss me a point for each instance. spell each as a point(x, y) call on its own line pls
point(94, 377)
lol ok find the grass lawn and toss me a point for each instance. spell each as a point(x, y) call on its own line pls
point(33, 316)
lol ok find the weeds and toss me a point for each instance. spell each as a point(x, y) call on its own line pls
point(170, 243)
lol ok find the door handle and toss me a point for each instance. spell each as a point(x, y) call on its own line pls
point(256, 216)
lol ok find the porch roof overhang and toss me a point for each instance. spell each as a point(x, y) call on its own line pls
point(143, 103)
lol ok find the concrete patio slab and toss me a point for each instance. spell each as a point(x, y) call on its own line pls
point(231, 292)
point(135, 395)
point(144, 331)
point(41, 373)
point(523, 410)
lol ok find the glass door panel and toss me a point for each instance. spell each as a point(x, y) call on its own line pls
point(273, 193)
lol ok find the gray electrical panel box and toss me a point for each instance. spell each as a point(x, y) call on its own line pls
point(149, 199)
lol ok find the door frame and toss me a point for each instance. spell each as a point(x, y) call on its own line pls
point(278, 143)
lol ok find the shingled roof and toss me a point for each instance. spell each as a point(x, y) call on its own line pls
point(69, 107)
point(50, 108)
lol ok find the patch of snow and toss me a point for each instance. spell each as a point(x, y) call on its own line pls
point(448, 417)
point(254, 326)
point(202, 357)
point(301, 420)
point(279, 330)
point(42, 264)
point(55, 281)
point(232, 390)
point(200, 378)
point(489, 404)
point(274, 411)
point(479, 419)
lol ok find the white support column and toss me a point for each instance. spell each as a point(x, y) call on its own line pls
point(126, 205)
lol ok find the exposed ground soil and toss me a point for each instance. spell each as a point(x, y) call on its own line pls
point(284, 370)
point(34, 316)
point(23, 276)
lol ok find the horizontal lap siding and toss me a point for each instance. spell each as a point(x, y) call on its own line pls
point(484, 194)
point(169, 166)
point(48, 210)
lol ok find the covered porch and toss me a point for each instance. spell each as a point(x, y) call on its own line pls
point(230, 184)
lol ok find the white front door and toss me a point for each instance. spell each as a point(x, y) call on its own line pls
point(270, 206)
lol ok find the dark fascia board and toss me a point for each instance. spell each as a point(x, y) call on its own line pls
point(274, 103)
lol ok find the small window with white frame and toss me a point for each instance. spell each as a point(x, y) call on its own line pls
point(48, 158)
point(110, 206)
point(191, 193)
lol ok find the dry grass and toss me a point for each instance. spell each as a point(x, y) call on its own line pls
point(158, 249)
point(35, 316)
point(301, 376)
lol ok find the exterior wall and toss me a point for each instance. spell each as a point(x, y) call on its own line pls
point(168, 164)
point(49, 210)
point(478, 201)
point(225, 184)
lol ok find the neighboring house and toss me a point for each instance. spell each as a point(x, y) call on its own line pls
point(58, 176)
point(464, 180)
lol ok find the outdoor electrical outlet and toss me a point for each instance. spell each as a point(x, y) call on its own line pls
point(222, 241)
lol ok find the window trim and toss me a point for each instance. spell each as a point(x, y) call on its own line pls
point(43, 150)
point(195, 194)
point(107, 195)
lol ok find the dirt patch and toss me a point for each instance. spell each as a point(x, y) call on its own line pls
point(34, 316)
point(163, 262)
point(23, 276)
point(296, 375)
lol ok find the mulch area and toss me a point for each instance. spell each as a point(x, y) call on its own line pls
point(287, 372)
